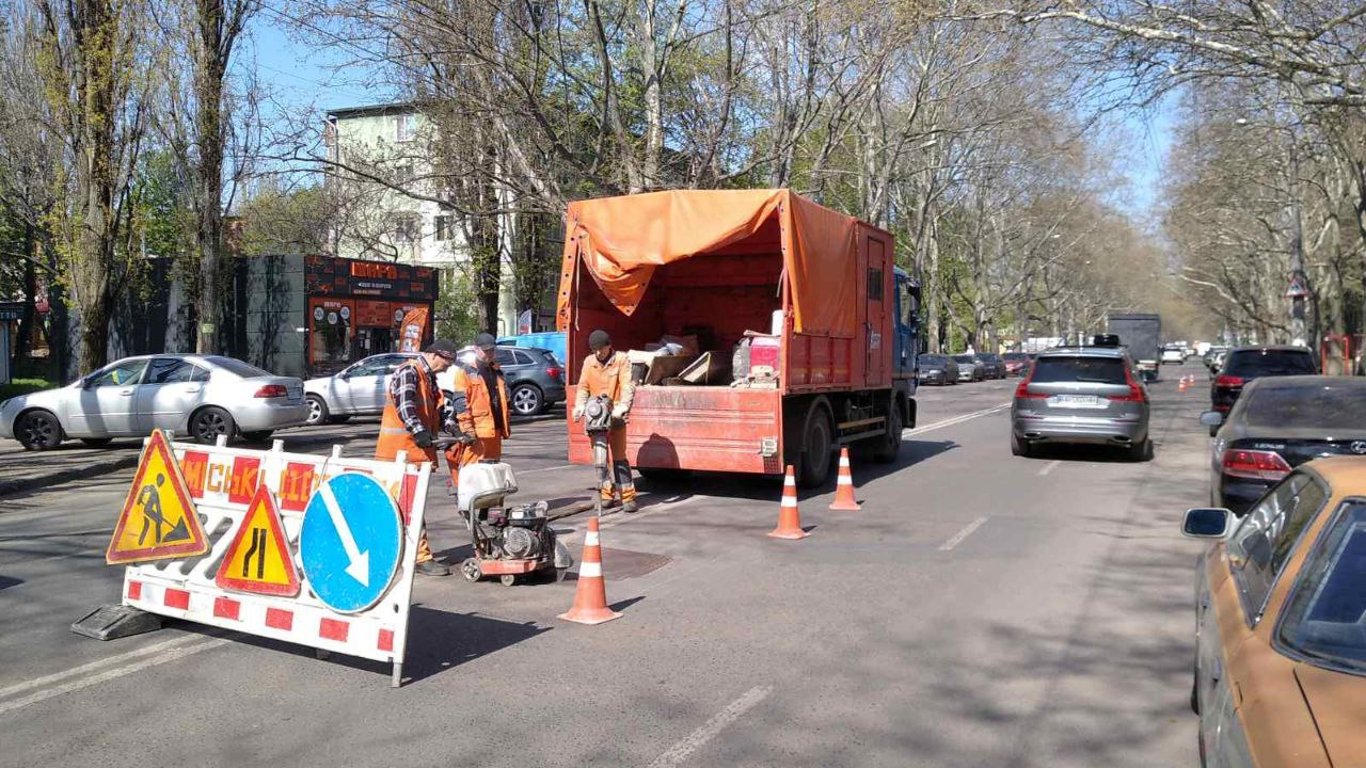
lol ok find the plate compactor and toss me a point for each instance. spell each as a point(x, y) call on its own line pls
point(512, 543)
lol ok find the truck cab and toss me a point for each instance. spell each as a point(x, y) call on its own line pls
point(907, 350)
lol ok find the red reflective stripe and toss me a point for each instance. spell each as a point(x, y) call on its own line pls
point(278, 618)
point(177, 598)
point(134, 590)
point(331, 629)
point(225, 608)
point(386, 640)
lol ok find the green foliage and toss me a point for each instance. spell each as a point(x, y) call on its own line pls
point(18, 387)
point(276, 221)
point(457, 308)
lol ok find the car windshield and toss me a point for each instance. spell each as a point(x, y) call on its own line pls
point(1269, 362)
point(1090, 370)
point(963, 358)
point(1325, 619)
point(932, 359)
point(1334, 408)
point(237, 367)
point(1016, 357)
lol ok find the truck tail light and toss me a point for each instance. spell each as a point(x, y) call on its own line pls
point(272, 390)
point(1254, 465)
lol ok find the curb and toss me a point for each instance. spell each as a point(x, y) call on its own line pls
point(22, 485)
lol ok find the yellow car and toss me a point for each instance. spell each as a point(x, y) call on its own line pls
point(1280, 668)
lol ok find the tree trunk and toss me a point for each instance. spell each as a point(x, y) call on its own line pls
point(209, 187)
point(23, 345)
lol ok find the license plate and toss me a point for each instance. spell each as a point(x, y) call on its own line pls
point(1077, 401)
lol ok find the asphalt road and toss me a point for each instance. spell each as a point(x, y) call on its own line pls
point(981, 610)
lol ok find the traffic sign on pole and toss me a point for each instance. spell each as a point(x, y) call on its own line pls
point(158, 521)
point(351, 542)
point(258, 559)
point(1298, 288)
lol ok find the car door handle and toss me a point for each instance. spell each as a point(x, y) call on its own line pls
point(194, 390)
point(126, 393)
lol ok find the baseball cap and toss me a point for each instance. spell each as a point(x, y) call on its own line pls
point(444, 348)
point(485, 341)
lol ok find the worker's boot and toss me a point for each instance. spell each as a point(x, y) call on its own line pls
point(607, 494)
point(433, 568)
point(628, 499)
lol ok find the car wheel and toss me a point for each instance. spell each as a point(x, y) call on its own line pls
point(527, 400)
point(97, 442)
point(38, 431)
point(208, 423)
point(1141, 451)
point(259, 436)
point(317, 410)
point(1018, 446)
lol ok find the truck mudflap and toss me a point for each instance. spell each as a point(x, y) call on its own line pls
point(717, 429)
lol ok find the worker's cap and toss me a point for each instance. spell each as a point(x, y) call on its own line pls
point(485, 341)
point(599, 339)
point(443, 348)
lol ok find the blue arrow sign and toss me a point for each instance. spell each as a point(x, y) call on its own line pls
point(350, 542)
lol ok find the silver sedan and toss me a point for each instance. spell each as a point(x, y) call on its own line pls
point(196, 395)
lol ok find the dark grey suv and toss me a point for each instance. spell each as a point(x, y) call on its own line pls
point(535, 379)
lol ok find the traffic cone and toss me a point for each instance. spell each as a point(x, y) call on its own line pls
point(590, 599)
point(789, 519)
point(844, 486)
point(1184, 384)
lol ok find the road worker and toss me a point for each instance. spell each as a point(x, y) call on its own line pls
point(413, 416)
point(607, 372)
point(479, 408)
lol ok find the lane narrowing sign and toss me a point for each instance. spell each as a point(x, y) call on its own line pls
point(258, 559)
point(350, 542)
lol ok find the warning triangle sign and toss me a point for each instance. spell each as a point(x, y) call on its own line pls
point(158, 521)
point(258, 559)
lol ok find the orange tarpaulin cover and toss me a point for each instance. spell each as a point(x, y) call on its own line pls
point(621, 240)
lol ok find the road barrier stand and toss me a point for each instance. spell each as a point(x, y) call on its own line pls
point(590, 597)
point(844, 486)
point(314, 550)
point(789, 518)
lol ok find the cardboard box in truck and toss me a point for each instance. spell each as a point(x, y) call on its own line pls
point(729, 267)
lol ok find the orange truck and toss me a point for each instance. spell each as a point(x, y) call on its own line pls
point(809, 329)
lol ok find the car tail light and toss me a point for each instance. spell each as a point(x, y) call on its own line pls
point(1136, 392)
point(272, 390)
point(1255, 465)
point(1224, 381)
point(552, 372)
point(1022, 391)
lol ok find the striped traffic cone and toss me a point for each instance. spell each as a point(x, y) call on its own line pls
point(789, 519)
point(844, 486)
point(590, 599)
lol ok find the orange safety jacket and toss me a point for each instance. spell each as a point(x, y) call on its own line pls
point(475, 414)
point(612, 378)
point(395, 437)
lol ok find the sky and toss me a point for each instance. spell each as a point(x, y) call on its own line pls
point(304, 78)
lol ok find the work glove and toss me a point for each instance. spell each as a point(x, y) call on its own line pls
point(424, 439)
point(619, 413)
point(578, 413)
point(467, 438)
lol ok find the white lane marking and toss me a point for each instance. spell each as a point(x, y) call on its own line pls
point(957, 419)
point(963, 534)
point(698, 738)
point(545, 469)
point(1049, 467)
point(80, 682)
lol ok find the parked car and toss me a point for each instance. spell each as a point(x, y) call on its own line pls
point(968, 368)
point(360, 389)
point(1247, 363)
point(1173, 355)
point(202, 396)
point(1214, 358)
point(1085, 395)
point(1278, 424)
point(938, 369)
point(1017, 363)
point(993, 367)
point(1280, 663)
point(535, 378)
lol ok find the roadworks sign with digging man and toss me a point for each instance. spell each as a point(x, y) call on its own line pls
point(158, 521)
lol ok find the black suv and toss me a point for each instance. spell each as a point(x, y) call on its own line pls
point(1244, 364)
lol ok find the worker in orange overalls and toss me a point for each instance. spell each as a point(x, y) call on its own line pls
point(479, 407)
point(607, 372)
point(413, 415)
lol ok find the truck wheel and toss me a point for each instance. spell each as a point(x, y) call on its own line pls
point(818, 439)
point(889, 445)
